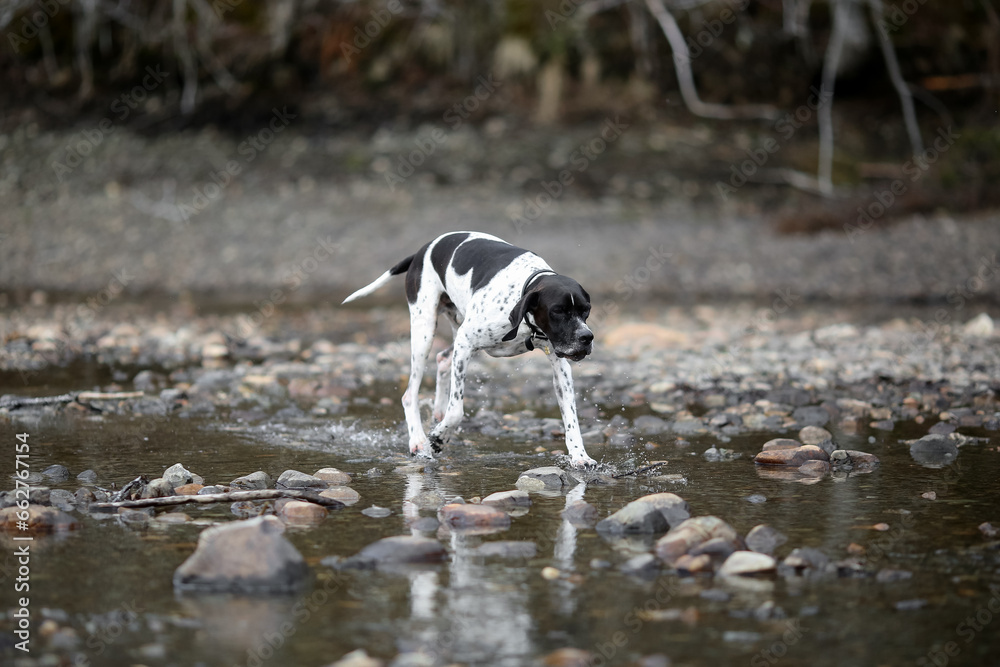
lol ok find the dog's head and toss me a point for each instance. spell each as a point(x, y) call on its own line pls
point(559, 307)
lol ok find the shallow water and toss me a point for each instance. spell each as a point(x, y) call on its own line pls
point(112, 583)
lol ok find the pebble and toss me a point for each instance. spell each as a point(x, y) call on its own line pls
point(333, 476)
point(791, 457)
point(251, 556)
point(87, 477)
point(548, 477)
point(396, 550)
point(934, 451)
point(746, 563)
point(508, 499)
point(188, 489)
point(756, 499)
point(41, 520)
point(988, 530)
point(293, 479)
point(377, 512)
point(473, 517)
point(550, 573)
point(158, 488)
point(569, 657)
point(814, 435)
point(300, 512)
point(177, 475)
point(357, 658)
point(56, 473)
point(692, 533)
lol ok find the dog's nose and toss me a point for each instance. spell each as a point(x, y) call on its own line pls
point(587, 337)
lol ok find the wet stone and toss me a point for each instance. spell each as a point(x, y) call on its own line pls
point(257, 481)
point(549, 477)
point(814, 435)
point(806, 558)
point(344, 494)
point(249, 556)
point(791, 457)
point(756, 499)
point(246, 509)
point(377, 512)
point(655, 513)
point(814, 468)
point(934, 451)
point(41, 520)
point(357, 658)
point(293, 479)
point(747, 563)
point(781, 443)
point(333, 476)
point(158, 488)
point(680, 541)
point(508, 499)
point(889, 575)
point(299, 512)
point(56, 473)
point(188, 489)
point(850, 459)
point(207, 490)
point(62, 499)
point(643, 565)
point(428, 500)
point(177, 475)
point(134, 518)
point(87, 477)
point(765, 539)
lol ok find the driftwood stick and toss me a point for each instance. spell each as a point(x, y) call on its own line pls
point(231, 497)
point(14, 402)
point(640, 470)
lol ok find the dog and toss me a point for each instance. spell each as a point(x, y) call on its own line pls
point(498, 298)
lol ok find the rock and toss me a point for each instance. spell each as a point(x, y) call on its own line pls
point(850, 459)
point(581, 514)
point(814, 468)
point(300, 512)
point(134, 518)
point(158, 488)
point(41, 520)
point(87, 477)
point(506, 549)
point(257, 481)
point(791, 457)
point(717, 548)
point(934, 451)
point(293, 479)
point(805, 558)
point(377, 512)
point(188, 489)
point(814, 435)
point(650, 425)
point(208, 490)
point(756, 498)
point(56, 473)
point(173, 517)
point(549, 477)
point(781, 443)
point(398, 550)
point(508, 499)
point(247, 509)
point(333, 476)
point(569, 657)
point(62, 499)
point(988, 530)
point(84, 496)
point(655, 513)
point(358, 658)
point(344, 494)
point(692, 533)
point(249, 556)
point(942, 428)
point(747, 563)
point(643, 565)
point(980, 326)
point(887, 575)
point(178, 475)
point(765, 539)
point(473, 517)
point(883, 425)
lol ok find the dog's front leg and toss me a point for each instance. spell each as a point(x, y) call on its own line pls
point(562, 381)
point(461, 353)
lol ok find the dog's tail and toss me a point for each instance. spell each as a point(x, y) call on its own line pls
point(402, 267)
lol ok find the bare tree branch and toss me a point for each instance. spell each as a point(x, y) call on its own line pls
point(685, 79)
point(831, 63)
point(902, 89)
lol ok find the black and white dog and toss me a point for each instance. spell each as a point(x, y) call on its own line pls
point(498, 298)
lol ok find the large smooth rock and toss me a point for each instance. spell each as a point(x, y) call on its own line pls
point(934, 451)
point(508, 499)
point(398, 550)
point(293, 479)
point(780, 443)
point(344, 494)
point(473, 517)
point(255, 481)
point(41, 519)
point(251, 556)
point(747, 563)
point(791, 457)
point(548, 477)
point(814, 435)
point(655, 513)
point(692, 533)
point(302, 513)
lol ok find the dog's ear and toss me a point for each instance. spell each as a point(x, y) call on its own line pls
point(527, 303)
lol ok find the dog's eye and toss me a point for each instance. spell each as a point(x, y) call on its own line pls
point(558, 310)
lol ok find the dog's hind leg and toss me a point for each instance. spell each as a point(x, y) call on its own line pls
point(443, 383)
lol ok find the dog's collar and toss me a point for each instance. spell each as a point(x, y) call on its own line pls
point(536, 333)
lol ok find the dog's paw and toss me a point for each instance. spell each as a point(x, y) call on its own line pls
point(422, 450)
point(583, 462)
point(435, 443)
